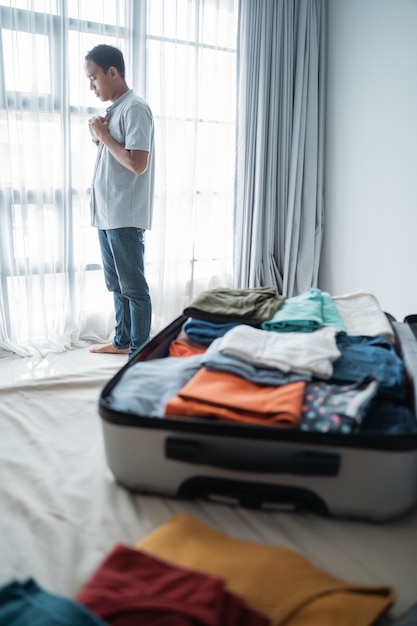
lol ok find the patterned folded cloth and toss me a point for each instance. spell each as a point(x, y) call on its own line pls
point(274, 580)
point(336, 408)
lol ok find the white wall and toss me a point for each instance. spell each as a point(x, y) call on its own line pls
point(370, 239)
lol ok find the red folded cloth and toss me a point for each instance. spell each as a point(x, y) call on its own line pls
point(131, 585)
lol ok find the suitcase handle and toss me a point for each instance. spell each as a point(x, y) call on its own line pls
point(304, 463)
point(253, 495)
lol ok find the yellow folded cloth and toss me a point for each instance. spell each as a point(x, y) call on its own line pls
point(275, 580)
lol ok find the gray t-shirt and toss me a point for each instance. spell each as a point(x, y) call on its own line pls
point(120, 198)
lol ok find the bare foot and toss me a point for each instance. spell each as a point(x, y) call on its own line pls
point(109, 348)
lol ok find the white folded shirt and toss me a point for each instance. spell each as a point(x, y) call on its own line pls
point(362, 315)
point(305, 353)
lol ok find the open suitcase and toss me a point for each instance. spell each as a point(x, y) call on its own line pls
point(365, 475)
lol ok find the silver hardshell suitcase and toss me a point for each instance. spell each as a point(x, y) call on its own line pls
point(368, 475)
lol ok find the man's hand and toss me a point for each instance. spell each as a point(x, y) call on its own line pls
point(99, 128)
point(135, 161)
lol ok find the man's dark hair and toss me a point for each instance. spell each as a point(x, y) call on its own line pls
point(107, 56)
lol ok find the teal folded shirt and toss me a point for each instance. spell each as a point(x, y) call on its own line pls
point(26, 603)
point(306, 312)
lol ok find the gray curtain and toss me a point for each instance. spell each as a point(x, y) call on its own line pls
point(280, 144)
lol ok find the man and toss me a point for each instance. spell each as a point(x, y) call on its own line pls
point(122, 195)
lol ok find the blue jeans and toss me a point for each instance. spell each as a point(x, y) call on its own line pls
point(122, 251)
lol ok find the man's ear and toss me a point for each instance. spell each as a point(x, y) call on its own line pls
point(113, 71)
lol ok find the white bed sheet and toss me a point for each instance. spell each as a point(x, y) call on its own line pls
point(62, 511)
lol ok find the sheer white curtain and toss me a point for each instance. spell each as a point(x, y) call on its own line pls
point(52, 293)
point(190, 86)
point(180, 56)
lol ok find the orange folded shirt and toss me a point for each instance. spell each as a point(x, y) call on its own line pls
point(180, 348)
point(225, 396)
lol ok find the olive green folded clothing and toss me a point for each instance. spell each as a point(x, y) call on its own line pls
point(274, 580)
point(247, 306)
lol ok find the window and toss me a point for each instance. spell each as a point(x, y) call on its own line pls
point(180, 55)
point(191, 84)
point(47, 244)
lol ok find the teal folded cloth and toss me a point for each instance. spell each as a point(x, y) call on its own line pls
point(306, 312)
point(26, 603)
